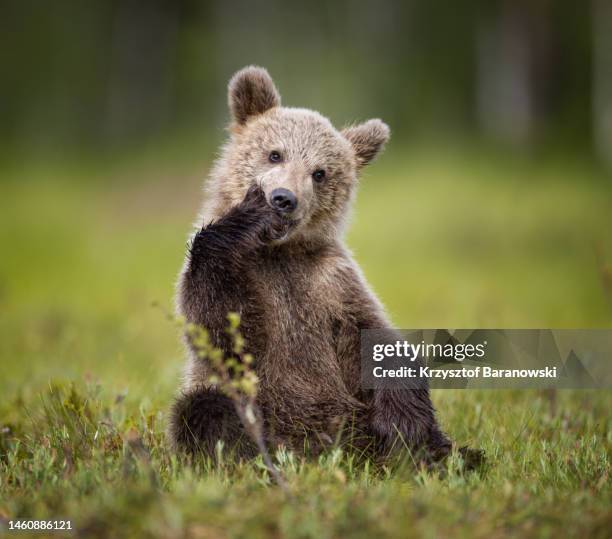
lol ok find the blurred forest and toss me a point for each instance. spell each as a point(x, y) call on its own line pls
point(107, 74)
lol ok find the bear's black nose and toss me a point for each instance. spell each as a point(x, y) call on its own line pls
point(283, 200)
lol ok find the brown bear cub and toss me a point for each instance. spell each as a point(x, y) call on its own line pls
point(272, 250)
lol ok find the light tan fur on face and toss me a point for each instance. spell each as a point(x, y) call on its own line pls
point(306, 141)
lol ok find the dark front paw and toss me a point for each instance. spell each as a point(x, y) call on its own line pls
point(275, 227)
point(271, 225)
point(255, 198)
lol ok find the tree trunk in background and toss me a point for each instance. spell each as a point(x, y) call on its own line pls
point(140, 94)
point(602, 79)
point(505, 97)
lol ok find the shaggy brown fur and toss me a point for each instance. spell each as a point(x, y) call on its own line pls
point(301, 297)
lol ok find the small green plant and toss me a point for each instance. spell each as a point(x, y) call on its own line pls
point(233, 374)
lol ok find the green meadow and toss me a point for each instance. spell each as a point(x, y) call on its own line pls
point(447, 237)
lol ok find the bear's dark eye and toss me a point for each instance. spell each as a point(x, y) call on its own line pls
point(275, 157)
point(318, 175)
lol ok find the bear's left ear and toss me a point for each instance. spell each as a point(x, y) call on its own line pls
point(367, 139)
point(251, 92)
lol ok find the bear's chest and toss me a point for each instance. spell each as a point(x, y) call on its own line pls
point(298, 303)
point(298, 294)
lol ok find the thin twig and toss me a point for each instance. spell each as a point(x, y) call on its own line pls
point(235, 376)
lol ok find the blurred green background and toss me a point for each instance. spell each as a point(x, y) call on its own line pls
point(101, 75)
point(491, 207)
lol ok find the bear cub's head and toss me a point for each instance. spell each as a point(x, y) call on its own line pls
point(306, 168)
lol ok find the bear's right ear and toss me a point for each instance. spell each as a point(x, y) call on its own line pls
point(367, 139)
point(251, 92)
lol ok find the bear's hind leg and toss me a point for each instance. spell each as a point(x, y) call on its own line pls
point(200, 418)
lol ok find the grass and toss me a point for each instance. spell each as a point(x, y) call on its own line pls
point(451, 240)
